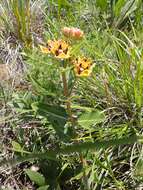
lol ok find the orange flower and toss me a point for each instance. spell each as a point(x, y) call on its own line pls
point(60, 49)
point(47, 49)
point(83, 66)
point(74, 33)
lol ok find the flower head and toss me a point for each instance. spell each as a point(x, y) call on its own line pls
point(60, 49)
point(48, 47)
point(82, 66)
point(74, 33)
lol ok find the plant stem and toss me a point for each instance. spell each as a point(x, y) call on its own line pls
point(84, 165)
point(72, 120)
point(66, 94)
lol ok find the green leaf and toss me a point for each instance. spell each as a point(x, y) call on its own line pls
point(89, 118)
point(36, 177)
point(81, 174)
point(129, 7)
point(138, 169)
point(80, 147)
point(63, 3)
point(54, 113)
point(45, 187)
point(118, 6)
point(102, 4)
point(16, 147)
point(57, 116)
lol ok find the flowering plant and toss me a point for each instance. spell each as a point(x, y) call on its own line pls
point(61, 50)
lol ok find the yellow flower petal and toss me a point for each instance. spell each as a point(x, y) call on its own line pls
point(85, 73)
point(44, 49)
point(63, 56)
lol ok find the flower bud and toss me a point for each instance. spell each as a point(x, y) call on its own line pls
point(74, 33)
point(66, 31)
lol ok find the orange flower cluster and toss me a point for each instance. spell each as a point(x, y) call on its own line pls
point(61, 50)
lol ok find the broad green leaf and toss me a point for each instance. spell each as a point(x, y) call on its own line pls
point(57, 116)
point(79, 147)
point(91, 118)
point(36, 177)
point(16, 146)
point(54, 113)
